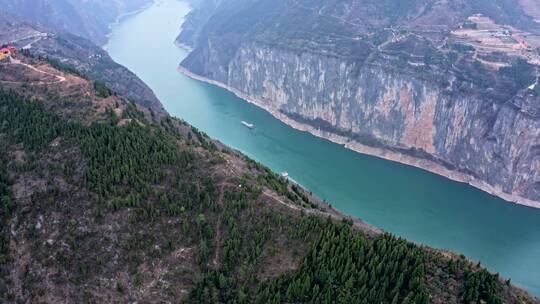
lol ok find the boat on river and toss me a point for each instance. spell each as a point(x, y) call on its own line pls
point(248, 125)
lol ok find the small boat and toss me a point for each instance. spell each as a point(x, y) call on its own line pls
point(285, 174)
point(247, 124)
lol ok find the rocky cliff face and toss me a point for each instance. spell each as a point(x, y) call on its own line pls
point(459, 113)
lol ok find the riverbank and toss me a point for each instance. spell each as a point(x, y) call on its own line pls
point(386, 154)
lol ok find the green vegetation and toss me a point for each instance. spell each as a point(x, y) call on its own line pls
point(340, 266)
point(481, 287)
point(345, 267)
point(130, 156)
point(164, 190)
point(6, 207)
point(102, 90)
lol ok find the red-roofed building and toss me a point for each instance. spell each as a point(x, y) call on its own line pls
point(7, 51)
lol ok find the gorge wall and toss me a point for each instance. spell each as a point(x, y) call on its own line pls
point(457, 116)
point(498, 144)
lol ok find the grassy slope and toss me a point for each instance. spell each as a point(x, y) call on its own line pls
point(103, 203)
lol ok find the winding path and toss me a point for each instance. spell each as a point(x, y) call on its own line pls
point(18, 62)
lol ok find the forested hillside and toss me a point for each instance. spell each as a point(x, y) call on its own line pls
point(104, 202)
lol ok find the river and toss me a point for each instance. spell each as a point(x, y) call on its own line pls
point(400, 199)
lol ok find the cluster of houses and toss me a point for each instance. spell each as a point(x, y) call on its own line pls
point(7, 51)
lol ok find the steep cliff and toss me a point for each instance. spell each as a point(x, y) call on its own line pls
point(449, 87)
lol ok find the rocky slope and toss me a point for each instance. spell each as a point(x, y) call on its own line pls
point(85, 18)
point(448, 86)
point(81, 54)
point(103, 202)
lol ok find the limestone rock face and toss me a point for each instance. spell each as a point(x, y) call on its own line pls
point(444, 97)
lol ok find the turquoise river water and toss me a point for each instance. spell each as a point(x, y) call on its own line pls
point(403, 200)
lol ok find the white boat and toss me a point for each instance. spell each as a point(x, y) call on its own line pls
point(285, 174)
point(247, 124)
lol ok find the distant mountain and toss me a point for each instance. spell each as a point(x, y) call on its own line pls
point(449, 86)
point(79, 53)
point(86, 18)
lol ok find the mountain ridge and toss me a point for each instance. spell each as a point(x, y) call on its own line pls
point(73, 51)
point(89, 19)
